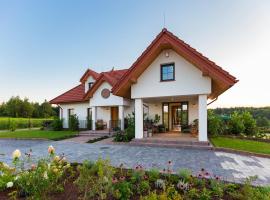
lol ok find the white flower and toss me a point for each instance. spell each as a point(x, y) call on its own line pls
point(9, 184)
point(56, 158)
point(45, 175)
point(16, 154)
point(16, 178)
point(51, 150)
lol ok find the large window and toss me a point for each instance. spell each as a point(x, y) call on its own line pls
point(167, 72)
point(184, 114)
point(165, 112)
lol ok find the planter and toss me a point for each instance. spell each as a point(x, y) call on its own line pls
point(149, 134)
point(144, 134)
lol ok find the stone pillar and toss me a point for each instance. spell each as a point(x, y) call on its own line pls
point(202, 118)
point(94, 117)
point(138, 118)
point(121, 116)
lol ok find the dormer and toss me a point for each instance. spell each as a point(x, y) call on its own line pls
point(88, 79)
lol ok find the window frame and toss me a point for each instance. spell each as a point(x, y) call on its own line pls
point(161, 71)
point(90, 83)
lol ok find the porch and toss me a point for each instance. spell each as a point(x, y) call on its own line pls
point(172, 118)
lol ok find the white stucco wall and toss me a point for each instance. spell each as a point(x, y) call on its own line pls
point(104, 113)
point(86, 86)
point(188, 79)
point(80, 109)
point(112, 100)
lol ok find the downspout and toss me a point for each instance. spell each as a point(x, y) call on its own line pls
point(212, 101)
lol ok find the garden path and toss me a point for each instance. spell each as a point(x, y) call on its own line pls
point(231, 167)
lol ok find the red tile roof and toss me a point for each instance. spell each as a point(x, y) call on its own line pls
point(222, 80)
point(76, 94)
point(121, 80)
point(88, 73)
point(112, 77)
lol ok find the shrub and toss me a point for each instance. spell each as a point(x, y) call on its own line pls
point(122, 190)
point(215, 124)
point(153, 175)
point(57, 124)
point(249, 123)
point(95, 179)
point(73, 123)
point(143, 187)
point(129, 133)
point(236, 125)
point(262, 122)
point(185, 174)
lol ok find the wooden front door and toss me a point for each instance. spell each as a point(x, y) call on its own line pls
point(114, 117)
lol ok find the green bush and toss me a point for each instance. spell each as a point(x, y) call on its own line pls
point(154, 175)
point(73, 123)
point(129, 133)
point(215, 124)
point(143, 187)
point(122, 190)
point(262, 122)
point(57, 124)
point(95, 179)
point(249, 124)
point(236, 124)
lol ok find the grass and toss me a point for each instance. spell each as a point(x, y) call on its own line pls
point(241, 144)
point(21, 122)
point(38, 134)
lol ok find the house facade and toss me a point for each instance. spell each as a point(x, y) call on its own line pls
point(170, 83)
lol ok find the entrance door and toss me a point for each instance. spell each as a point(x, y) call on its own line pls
point(176, 118)
point(114, 117)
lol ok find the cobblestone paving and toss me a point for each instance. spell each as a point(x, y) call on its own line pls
point(230, 167)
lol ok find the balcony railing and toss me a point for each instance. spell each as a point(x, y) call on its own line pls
point(85, 124)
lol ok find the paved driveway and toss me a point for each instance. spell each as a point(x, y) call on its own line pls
point(229, 166)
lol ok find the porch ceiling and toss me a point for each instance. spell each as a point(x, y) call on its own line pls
point(171, 99)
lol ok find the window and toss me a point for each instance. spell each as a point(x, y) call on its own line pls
point(90, 84)
point(167, 72)
point(89, 114)
point(184, 115)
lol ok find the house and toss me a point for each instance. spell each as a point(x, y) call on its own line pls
point(170, 79)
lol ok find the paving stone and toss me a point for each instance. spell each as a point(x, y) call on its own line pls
point(230, 167)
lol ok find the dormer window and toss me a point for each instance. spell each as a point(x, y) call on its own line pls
point(167, 72)
point(90, 84)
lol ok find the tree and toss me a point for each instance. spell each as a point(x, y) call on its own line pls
point(46, 109)
point(262, 122)
point(249, 123)
point(13, 106)
point(26, 108)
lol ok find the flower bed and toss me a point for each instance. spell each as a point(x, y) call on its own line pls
point(54, 177)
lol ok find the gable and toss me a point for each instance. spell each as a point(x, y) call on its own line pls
point(98, 100)
point(189, 80)
point(221, 79)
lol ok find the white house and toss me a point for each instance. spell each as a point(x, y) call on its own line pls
point(170, 79)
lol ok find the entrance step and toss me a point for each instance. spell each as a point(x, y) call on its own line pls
point(95, 133)
point(171, 143)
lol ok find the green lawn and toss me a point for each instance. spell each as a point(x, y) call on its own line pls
point(51, 135)
point(240, 144)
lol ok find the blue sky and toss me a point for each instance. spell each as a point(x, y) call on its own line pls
point(45, 46)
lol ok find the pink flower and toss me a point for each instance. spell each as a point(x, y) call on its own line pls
point(114, 180)
point(33, 166)
point(169, 162)
point(122, 178)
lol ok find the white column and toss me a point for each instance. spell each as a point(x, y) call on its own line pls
point(94, 117)
point(138, 118)
point(202, 118)
point(121, 116)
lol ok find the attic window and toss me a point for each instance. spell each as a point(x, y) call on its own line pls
point(90, 84)
point(167, 72)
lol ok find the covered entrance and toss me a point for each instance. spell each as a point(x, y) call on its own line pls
point(175, 116)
